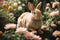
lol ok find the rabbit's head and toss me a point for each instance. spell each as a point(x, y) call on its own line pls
point(36, 13)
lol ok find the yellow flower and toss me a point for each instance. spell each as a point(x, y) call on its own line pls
point(4, 5)
point(10, 8)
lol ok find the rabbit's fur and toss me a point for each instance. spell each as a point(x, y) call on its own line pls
point(31, 20)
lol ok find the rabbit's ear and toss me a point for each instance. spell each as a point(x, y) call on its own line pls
point(30, 5)
point(39, 5)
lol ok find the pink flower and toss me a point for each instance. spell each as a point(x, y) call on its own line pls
point(56, 33)
point(21, 30)
point(28, 35)
point(47, 8)
point(10, 26)
point(53, 25)
point(55, 4)
point(44, 27)
point(35, 37)
point(54, 13)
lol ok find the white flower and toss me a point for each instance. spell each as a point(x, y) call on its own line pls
point(23, 4)
point(21, 30)
point(20, 8)
point(19, 2)
point(4, 1)
point(48, 4)
point(10, 26)
point(10, 14)
point(15, 4)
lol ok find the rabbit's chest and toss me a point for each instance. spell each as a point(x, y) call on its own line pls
point(35, 25)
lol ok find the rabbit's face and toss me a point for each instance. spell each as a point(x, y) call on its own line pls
point(36, 14)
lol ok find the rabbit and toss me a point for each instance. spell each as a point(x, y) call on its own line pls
point(31, 20)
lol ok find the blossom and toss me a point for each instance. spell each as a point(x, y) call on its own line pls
point(23, 4)
point(15, 4)
point(35, 37)
point(57, 38)
point(21, 30)
point(53, 25)
point(4, 5)
point(55, 4)
point(20, 8)
point(10, 8)
point(48, 4)
point(28, 35)
point(54, 13)
point(19, 2)
point(47, 8)
point(44, 27)
point(10, 14)
point(56, 33)
point(10, 26)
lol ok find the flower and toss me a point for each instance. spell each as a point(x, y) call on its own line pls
point(57, 38)
point(10, 8)
point(47, 8)
point(54, 13)
point(56, 33)
point(10, 14)
point(20, 8)
point(44, 27)
point(28, 35)
point(35, 37)
point(4, 5)
point(21, 30)
point(53, 25)
point(4, 1)
point(10, 26)
point(55, 4)
point(15, 4)
point(48, 4)
point(1, 32)
point(23, 4)
point(19, 2)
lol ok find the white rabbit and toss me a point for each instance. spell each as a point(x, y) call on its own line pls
point(31, 20)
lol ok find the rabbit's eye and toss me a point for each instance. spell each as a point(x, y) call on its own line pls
point(34, 13)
